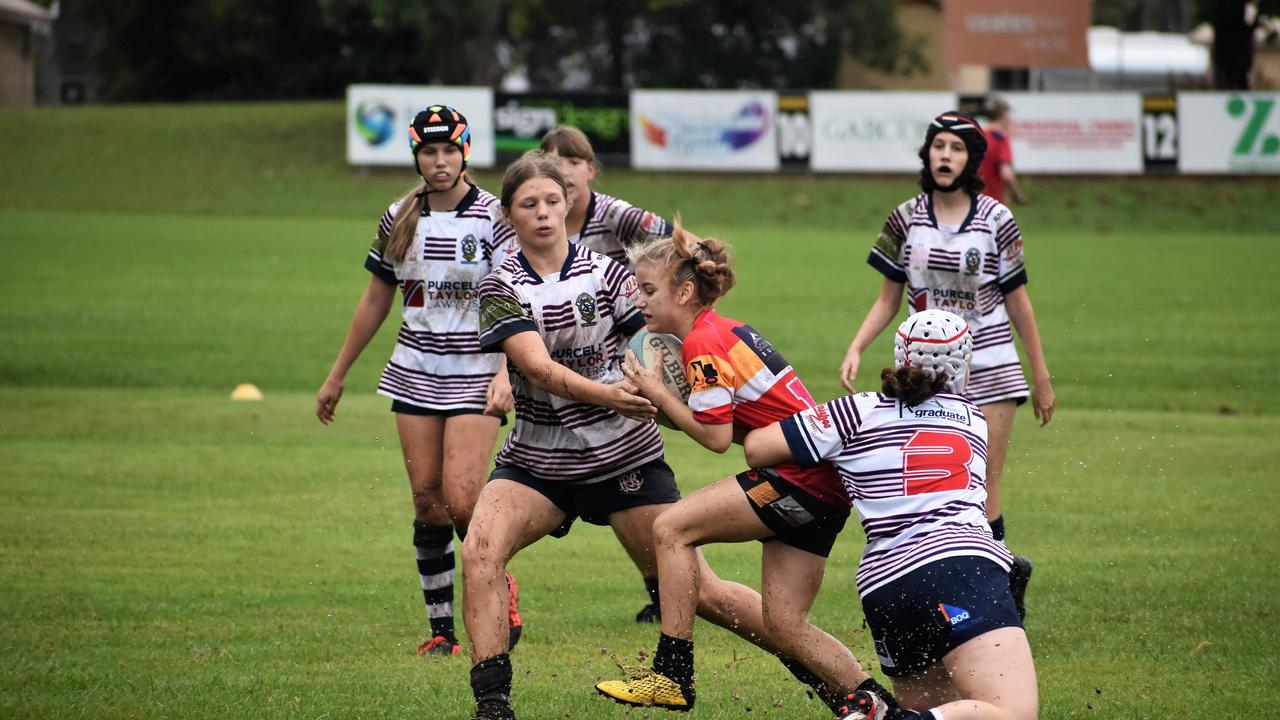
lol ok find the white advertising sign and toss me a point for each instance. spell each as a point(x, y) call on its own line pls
point(378, 118)
point(872, 131)
point(704, 130)
point(1076, 132)
point(1229, 132)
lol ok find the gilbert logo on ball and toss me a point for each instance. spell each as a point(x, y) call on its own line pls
point(246, 391)
point(667, 350)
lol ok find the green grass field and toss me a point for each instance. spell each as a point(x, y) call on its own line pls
point(170, 553)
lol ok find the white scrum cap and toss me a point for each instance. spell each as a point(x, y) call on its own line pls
point(939, 343)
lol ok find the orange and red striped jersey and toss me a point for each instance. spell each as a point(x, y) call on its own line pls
point(738, 377)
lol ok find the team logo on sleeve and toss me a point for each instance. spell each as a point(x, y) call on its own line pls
point(469, 248)
point(586, 305)
point(972, 261)
point(818, 418)
point(1014, 250)
point(703, 374)
point(888, 242)
point(630, 288)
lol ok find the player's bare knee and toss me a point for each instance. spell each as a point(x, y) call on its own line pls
point(670, 530)
point(480, 558)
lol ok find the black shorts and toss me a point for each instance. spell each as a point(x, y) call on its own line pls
point(925, 614)
point(404, 408)
point(650, 484)
point(796, 518)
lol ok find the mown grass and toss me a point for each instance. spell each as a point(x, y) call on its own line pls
point(168, 553)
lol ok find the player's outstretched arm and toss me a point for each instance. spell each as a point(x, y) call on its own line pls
point(766, 447)
point(370, 312)
point(648, 381)
point(528, 352)
point(882, 312)
point(1043, 401)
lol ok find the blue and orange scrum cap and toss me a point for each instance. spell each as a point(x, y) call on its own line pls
point(440, 123)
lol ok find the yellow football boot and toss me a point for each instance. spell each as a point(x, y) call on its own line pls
point(646, 688)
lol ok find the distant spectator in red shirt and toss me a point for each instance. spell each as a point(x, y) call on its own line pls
point(997, 165)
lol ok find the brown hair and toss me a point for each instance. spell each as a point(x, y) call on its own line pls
point(911, 384)
point(568, 141)
point(406, 223)
point(532, 164)
point(689, 258)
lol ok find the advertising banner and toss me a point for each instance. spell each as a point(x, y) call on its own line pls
point(378, 118)
point(1235, 132)
point(521, 119)
point(704, 130)
point(1017, 33)
point(872, 131)
point(1082, 133)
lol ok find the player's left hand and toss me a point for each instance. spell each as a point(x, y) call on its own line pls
point(498, 398)
point(1043, 401)
point(648, 381)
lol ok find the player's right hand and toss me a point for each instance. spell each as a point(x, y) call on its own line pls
point(849, 369)
point(327, 400)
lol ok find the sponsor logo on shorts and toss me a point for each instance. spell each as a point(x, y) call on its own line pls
point(954, 616)
point(763, 494)
point(882, 652)
point(631, 482)
point(792, 512)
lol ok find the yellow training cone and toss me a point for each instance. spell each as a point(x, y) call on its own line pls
point(246, 391)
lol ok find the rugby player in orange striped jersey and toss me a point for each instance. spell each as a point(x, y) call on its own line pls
point(740, 383)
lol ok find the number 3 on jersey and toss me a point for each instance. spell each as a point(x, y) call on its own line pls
point(936, 461)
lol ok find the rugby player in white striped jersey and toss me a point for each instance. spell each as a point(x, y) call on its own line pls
point(953, 248)
point(599, 222)
point(933, 579)
point(609, 226)
point(584, 444)
point(436, 244)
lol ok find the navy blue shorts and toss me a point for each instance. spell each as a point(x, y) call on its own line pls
point(650, 484)
point(920, 617)
point(796, 517)
point(404, 408)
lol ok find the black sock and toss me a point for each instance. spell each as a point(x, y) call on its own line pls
point(828, 695)
point(491, 679)
point(651, 586)
point(433, 545)
point(674, 659)
point(997, 527)
point(870, 685)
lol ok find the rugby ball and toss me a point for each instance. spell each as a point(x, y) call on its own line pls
point(666, 350)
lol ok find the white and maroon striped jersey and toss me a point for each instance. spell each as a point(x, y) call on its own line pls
point(967, 270)
point(584, 314)
point(613, 225)
point(916, 476)
point(437, 362)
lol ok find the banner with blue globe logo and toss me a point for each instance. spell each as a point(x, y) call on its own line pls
point(375, 121)
point(378, 118)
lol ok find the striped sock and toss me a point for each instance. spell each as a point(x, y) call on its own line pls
point(433, 545)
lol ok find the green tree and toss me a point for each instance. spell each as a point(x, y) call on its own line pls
point(704, 43)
